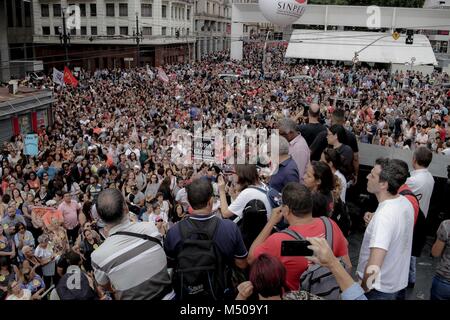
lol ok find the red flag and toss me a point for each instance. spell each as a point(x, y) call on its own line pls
point(162, 75)
point(69, 78)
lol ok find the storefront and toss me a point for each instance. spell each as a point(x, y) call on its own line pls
point(25, 114)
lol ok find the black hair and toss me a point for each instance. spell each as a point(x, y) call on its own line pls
point(199, 192)
point(323, 173)
point(298, 199)
point(392, 172)
point(423, 156)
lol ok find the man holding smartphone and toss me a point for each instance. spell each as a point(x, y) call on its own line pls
point(297, 210)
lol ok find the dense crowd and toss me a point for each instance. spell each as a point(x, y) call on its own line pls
point(104, 197)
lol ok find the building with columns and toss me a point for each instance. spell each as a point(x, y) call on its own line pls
point(212, 26)
point(104, 32)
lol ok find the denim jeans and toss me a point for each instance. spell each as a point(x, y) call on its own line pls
point(378, 295)
point(412, 270)
point(440, 289)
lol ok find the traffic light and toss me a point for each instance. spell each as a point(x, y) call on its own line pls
point(409, 36)
point(177, 33)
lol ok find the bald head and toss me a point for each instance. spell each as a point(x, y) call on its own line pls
point(110, 206)
point(314, 111)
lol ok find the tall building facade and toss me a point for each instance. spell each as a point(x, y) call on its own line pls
point(104, 33)
point(16, 36)
point(212, 26)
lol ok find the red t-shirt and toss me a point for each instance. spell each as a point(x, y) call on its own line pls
point(295, 266)
point(413, 201)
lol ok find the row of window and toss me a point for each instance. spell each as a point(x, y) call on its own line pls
point(211, 26)
point(214, 9)
point(111, 31)
point(146, 10)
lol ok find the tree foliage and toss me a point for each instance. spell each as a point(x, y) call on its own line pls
point(381, 3)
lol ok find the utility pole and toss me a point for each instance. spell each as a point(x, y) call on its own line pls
point(65, 38)
point(138, 35)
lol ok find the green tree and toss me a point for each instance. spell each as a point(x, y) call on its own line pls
point(381, 3)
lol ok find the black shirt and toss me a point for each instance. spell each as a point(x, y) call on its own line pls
point(320, 143)
point(310, 131)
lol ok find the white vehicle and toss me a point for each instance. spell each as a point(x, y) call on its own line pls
point(229, 76)
point(301, 77)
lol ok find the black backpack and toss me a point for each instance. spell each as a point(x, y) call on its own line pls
point(420, 228)
point(200, 273)
point(342, 217)
point(254, 219)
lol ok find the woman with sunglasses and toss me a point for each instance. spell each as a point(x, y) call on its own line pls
point(34, 182)
point(22, 238)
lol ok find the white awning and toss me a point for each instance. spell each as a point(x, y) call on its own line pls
point(342, 45)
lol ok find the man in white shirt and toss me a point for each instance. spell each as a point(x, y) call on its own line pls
point(421, 183)
point(385, 253)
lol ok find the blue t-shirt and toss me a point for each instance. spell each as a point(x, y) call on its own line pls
point(228, 238)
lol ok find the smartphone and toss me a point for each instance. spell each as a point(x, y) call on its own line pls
point(292, 248)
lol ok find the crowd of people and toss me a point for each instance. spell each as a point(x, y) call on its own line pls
point(103, 197)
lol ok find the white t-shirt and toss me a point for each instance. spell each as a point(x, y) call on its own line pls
point(181, 197)
point(421, 182)
point(26, 296)
point(391, 229)
point(246, 195)
point(343, 184)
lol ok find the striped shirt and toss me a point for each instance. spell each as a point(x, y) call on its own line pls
point(136, 268)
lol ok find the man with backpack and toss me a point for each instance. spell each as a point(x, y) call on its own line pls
point(297, 211)
point(204, 249)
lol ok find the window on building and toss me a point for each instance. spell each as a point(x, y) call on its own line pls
point(57, 10)
point(9, 13)
point(164, 31)
point(147, 31)
point(207, 7)
point(110, 31)
point(46, 31)
point(188, 14)
point(146, 9)
point(187, 31)
point(27, 14)
point(123, 31)
point(18, 13)
point(110, 10)
point(214, 8)
point(56, 29)
point(82, 9)
point(93, 7)
point(164, 11)
point(73, 31)
point(83, 31)
point(94, 31)
point(44, 10)
point(123, 9)
point(444, 46)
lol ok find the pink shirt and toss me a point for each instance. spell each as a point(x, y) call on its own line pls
point(70, 215)
point(299, 151)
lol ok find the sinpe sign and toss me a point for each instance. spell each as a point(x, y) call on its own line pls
point(282, 12)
